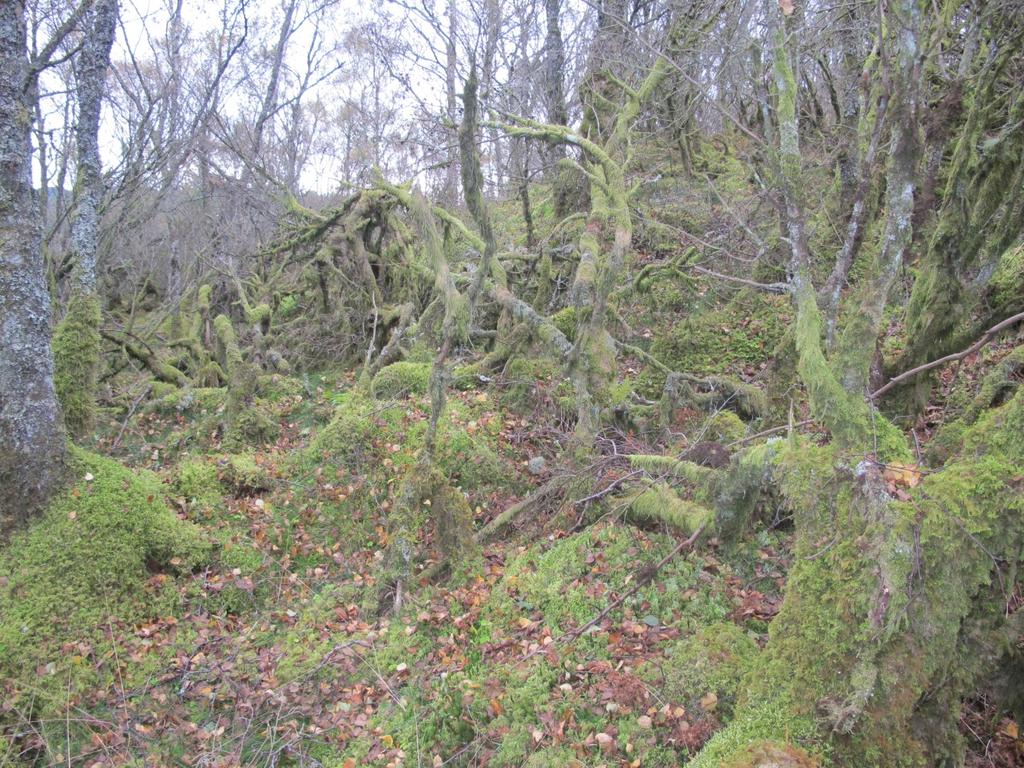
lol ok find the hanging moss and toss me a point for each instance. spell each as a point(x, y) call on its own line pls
point(76, 358)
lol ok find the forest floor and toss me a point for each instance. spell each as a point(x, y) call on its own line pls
point(270, 651)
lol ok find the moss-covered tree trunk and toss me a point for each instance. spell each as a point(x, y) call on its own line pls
point(604, 244)
point(979, 218)
point(76, 343)
point(244, 424)
point(32, 446)
point(554, 96)
point(426, 483)
point(889, 598)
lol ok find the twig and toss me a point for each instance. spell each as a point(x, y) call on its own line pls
point(131, 412)
point(550, 488)
point(771, 431)
point(769, 287)
point(647, 357)
point(986, 337)
point(608, 489)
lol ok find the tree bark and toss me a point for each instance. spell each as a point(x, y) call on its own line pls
point(554, 95)
point(31, 437)
point(451, 179)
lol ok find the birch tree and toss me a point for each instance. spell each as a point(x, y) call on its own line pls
point(31, 435)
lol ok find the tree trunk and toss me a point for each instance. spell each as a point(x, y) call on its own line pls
point(554, 95)
point(850, 28)
point(31, 438)
point(451, 178)
point(76, 343)
point(889, 617)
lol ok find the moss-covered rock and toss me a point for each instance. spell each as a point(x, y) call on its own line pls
point(241, 473)
point(89, 557)
point(400, 380)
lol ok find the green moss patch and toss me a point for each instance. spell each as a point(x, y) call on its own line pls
point(400, 380)
point(242, 474)
point(365, 435)
point(713, 660)
point(89, 557)
point(198, 481)
point(76, 357)
point(743, 333)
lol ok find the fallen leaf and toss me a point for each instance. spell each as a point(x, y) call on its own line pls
point(906, 475)
point(605, 742)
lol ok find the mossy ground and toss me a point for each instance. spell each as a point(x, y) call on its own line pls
point(241, 582)
point(245, 585)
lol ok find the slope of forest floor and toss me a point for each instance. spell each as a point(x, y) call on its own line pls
point(252, 636)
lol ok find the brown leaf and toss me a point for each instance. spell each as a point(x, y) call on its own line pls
point(906, 475)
